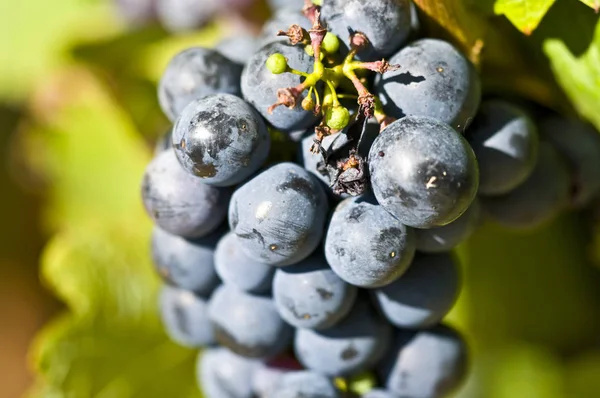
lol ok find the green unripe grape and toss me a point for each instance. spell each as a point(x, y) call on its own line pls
point(331, 43)
point(337, 117)
point(308, 104)
point(277, 63)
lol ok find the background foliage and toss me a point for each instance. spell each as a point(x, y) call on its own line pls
point(530, 302)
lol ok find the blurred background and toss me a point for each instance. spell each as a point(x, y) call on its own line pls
point(78, 122)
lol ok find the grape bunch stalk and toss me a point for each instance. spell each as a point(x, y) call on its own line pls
point(335, 73)
point(330, 276)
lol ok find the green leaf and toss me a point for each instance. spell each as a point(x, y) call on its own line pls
point(574, 54)
point(526, 15)
point(82, 359)
point(595, 4)
point(111, 343)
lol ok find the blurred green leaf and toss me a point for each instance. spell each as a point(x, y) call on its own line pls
point(581, 375)
point(595, 4)
point(111, 344)
point(526, 15)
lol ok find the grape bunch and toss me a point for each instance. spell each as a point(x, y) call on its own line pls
point(310, 193)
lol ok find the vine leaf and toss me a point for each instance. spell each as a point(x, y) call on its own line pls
point(526, 15)
point(110, 342)
point(594, 4)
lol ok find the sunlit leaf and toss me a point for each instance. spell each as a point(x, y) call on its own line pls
point(526, 15)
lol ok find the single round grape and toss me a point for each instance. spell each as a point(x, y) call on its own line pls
point(349, 347)
point(260, 85)
point(279, 215)
point(434, 80)
point(423, 295)
point(222, 374)
point(185, 317)
point(443, 239)
point(193, 74)
point(221, 139)
point(365, 245)
point(180, 203)
point(425, 364)
point(538, 200)
point(185, 15)
point(304, 384)
point(423, 172)
point(386, 23)
point(236, 269)
point(310, 295)
point(248, 324)
point(579, 144)
point(505, 142)
point(238, 48)
point(185, 263)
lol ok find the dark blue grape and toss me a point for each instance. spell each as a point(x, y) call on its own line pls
point(223, 374)
point(505, 142)
point(238, 48)
point(538, 200)
point(193, 74)
point(365, 245)
point(304, 384)
point(260, 86)
point(282, 19)
point(579, 144)
point(378, 393)
point(180, 203)
point(221, 139)
point(423, 172)
point(349, 347)
point(310, 295)
point(428, 363)
point(235, 268)
point(443, 239)
point(386, 23)
point(434, 80)
point(185, 317)
point(248, 324)
point(185, 15)
point(184, 263)
point(279, 215)
point(423, 295)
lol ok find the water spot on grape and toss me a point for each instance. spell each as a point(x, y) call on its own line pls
point(349, 353)
point(182, 143)
point(387, 239)
point(324, 293)
point(355, 213)
point(205, 170)
point(299, 185)
point(273, 247)
point(440, 69)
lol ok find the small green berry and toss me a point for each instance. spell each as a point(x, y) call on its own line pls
point(277, 63)
point(337, 117)
point(308, 104)
point(309, 50)
point(331, 43)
